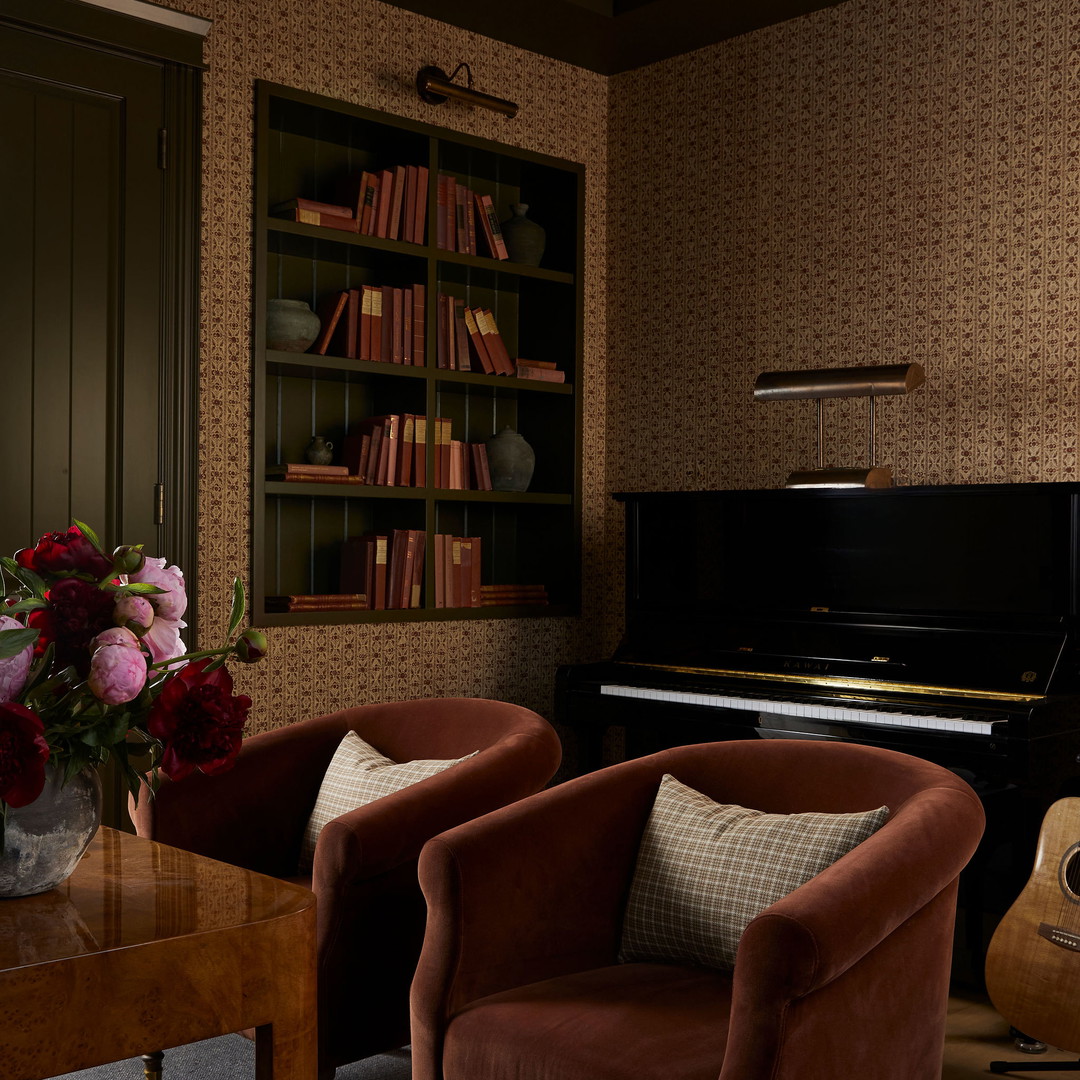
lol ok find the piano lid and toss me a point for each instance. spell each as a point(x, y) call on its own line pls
point(965, 588)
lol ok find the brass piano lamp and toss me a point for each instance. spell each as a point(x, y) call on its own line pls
point(434, 86)
point(867, 382)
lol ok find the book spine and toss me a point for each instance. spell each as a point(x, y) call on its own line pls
point(499, 245)
point(329, 221)
point(330, 309)
point(420, 461)
point(420, 220)
point(396, 204)
point(540, 374)
point(461, 337)
point(418, 326)
point(386, 200)
point(476, 339)
point(313, 205)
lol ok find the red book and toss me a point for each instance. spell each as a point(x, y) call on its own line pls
point(418, 326)
point(397, 327)
point(406, 325)
point(462, 588)
point(494, 342)
point(441, 212)
point(352, 324)
point(313, 205)
point(330, 221)
point(396, 203)
point(457, 457)
point(461, 337)
point(489, 221)
point(386, 199)
point(540, 374)
point(399, 540)
point(481, 474)
point(366, 305)
point(452, 571)
point(386, 327)
point(476, 339)
point(442, 448)
point(461, 230)
point(371, 220)
point(470, 224)
point(420, 460)
point(330, 309)
point(365, 201)
point(407, 450)
point(420, 219)
point(408, 209)
point(376, 324)
point(363, 568)
point(440, 570)
point(471, 580)
point(451, 213)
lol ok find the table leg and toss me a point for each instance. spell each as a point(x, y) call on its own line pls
point(152, 1064)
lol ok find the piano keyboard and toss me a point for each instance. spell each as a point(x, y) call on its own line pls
point(809, 711)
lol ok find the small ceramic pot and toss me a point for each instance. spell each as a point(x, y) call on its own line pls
point(291, 325)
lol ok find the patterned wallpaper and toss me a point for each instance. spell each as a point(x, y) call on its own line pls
point(368, 53)
point(880, 182)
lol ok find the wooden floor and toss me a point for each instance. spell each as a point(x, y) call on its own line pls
point(977, 1035)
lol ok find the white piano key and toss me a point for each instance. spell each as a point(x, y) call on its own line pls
point(839, 714)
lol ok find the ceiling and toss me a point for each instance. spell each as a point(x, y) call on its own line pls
point(610, 36)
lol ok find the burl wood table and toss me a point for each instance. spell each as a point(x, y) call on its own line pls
point(146, 947)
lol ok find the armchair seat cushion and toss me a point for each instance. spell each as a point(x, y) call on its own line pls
point(624, 1022)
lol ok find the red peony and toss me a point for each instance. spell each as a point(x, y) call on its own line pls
point(65, 553)
point(198, 720)
point(23, 753)
point(77, 613)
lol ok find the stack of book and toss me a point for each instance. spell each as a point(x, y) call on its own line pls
point(388, 569)
point(303, 473)
point(468, 339)
point(463, 217)
point(317, 602)
point(457, 571)
point(497, 595)
point(542, 370)
point(382, 323)
point(390, 203)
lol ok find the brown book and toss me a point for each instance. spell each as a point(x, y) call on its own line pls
point(397, 327)
point(418, 326)
point(355, 451)
point(457, 461)
point(365, 201)
point(442, 452)
point(522, 362)
point(376, 323)
point(408, 208)
point(442, 213)
point(406, 325)
point(407, 450)
point(461, 230)
point(473, 581)
point(540, 374)
point(327, 605)
point(461, 337)
point(396, 204)
point(412, 578)
point(372, 220)
point(386, 200)
point(363, 568)
point(366, 306)
point(399, 539)
point(489, 221)
point(330, 309)
point(420, 220)
point(464, 568)
point(452, 571)
point(420, 461)
point(476, 340)
point(352, 324)
point(292, 468)
point(312, 205)
point(480, 472)
point(329, 221)
point(494, 342)
point(470, 223)
point(440, 569)
point(315, 478)
point(386, 326)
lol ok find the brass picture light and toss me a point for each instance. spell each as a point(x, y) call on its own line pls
point(865, 382)
point(435, 86)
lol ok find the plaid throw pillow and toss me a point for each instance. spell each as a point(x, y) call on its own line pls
point(357, 775)
point(705, 870)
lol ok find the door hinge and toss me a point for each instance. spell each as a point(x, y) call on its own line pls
point(159, 504)
point(163, 148)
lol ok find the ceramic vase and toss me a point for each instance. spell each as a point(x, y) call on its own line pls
point(524, 238)
point(510, 460)
point(44, 840)
point(319, 451)
point(291, 325)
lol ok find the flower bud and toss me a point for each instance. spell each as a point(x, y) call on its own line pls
point(251, 645)
point(128, 559)
point(117, 668)
point(136, 613)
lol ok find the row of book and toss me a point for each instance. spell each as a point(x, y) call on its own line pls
point(388, 569)
point(391, 450)
point(381, 323)
point(463, 216)
point(389, 203)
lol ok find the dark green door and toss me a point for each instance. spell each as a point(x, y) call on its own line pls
point(80, 323)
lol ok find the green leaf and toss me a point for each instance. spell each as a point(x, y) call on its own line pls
point(31, 604)
point(239, 604)
point(12, 642)
point(28, 578)
point(134, 588)
point(91, 536)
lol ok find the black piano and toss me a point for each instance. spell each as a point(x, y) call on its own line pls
point(939, 621)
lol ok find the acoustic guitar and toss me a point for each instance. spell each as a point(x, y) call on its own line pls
point(1033, 963)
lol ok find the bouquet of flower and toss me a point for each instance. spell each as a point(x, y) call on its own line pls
point(92, 665)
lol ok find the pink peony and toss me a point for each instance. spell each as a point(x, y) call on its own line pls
point(172, 603)
point(163, 640)
point(117, 668)
point(134, 612)
point(14, 669)
point(23, 753)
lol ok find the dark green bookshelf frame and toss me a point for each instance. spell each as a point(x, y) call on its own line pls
point(306, 145)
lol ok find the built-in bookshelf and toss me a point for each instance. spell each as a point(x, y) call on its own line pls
point(522, 548)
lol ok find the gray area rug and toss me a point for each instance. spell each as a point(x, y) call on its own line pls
point(232, 1057)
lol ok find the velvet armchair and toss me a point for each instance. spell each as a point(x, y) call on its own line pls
point(370, 909)
point(847, 975)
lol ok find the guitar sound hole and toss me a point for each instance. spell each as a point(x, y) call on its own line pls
point(1071, 872)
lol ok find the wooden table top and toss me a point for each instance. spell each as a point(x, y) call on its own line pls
point(129, 891)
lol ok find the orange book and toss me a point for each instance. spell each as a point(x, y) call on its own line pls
point(393, 227)
point(489, 221)
point(420, 461)
point(376, 323)
point(476, 339)
point(407, 450)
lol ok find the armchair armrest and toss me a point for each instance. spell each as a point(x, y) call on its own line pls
point(833, 924)
point(254, 814)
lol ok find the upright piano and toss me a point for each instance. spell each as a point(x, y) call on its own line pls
point(939, 621)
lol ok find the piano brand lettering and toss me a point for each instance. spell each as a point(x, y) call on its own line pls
point(806, 665)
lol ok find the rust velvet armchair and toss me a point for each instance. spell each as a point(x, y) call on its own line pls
point(847, 975)
point(370, 909)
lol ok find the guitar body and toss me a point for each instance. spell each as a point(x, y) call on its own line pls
point(1033, 963)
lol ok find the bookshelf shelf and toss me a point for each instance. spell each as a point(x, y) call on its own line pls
point(308, 537)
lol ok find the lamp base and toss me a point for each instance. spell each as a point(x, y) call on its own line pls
point(877, 476)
